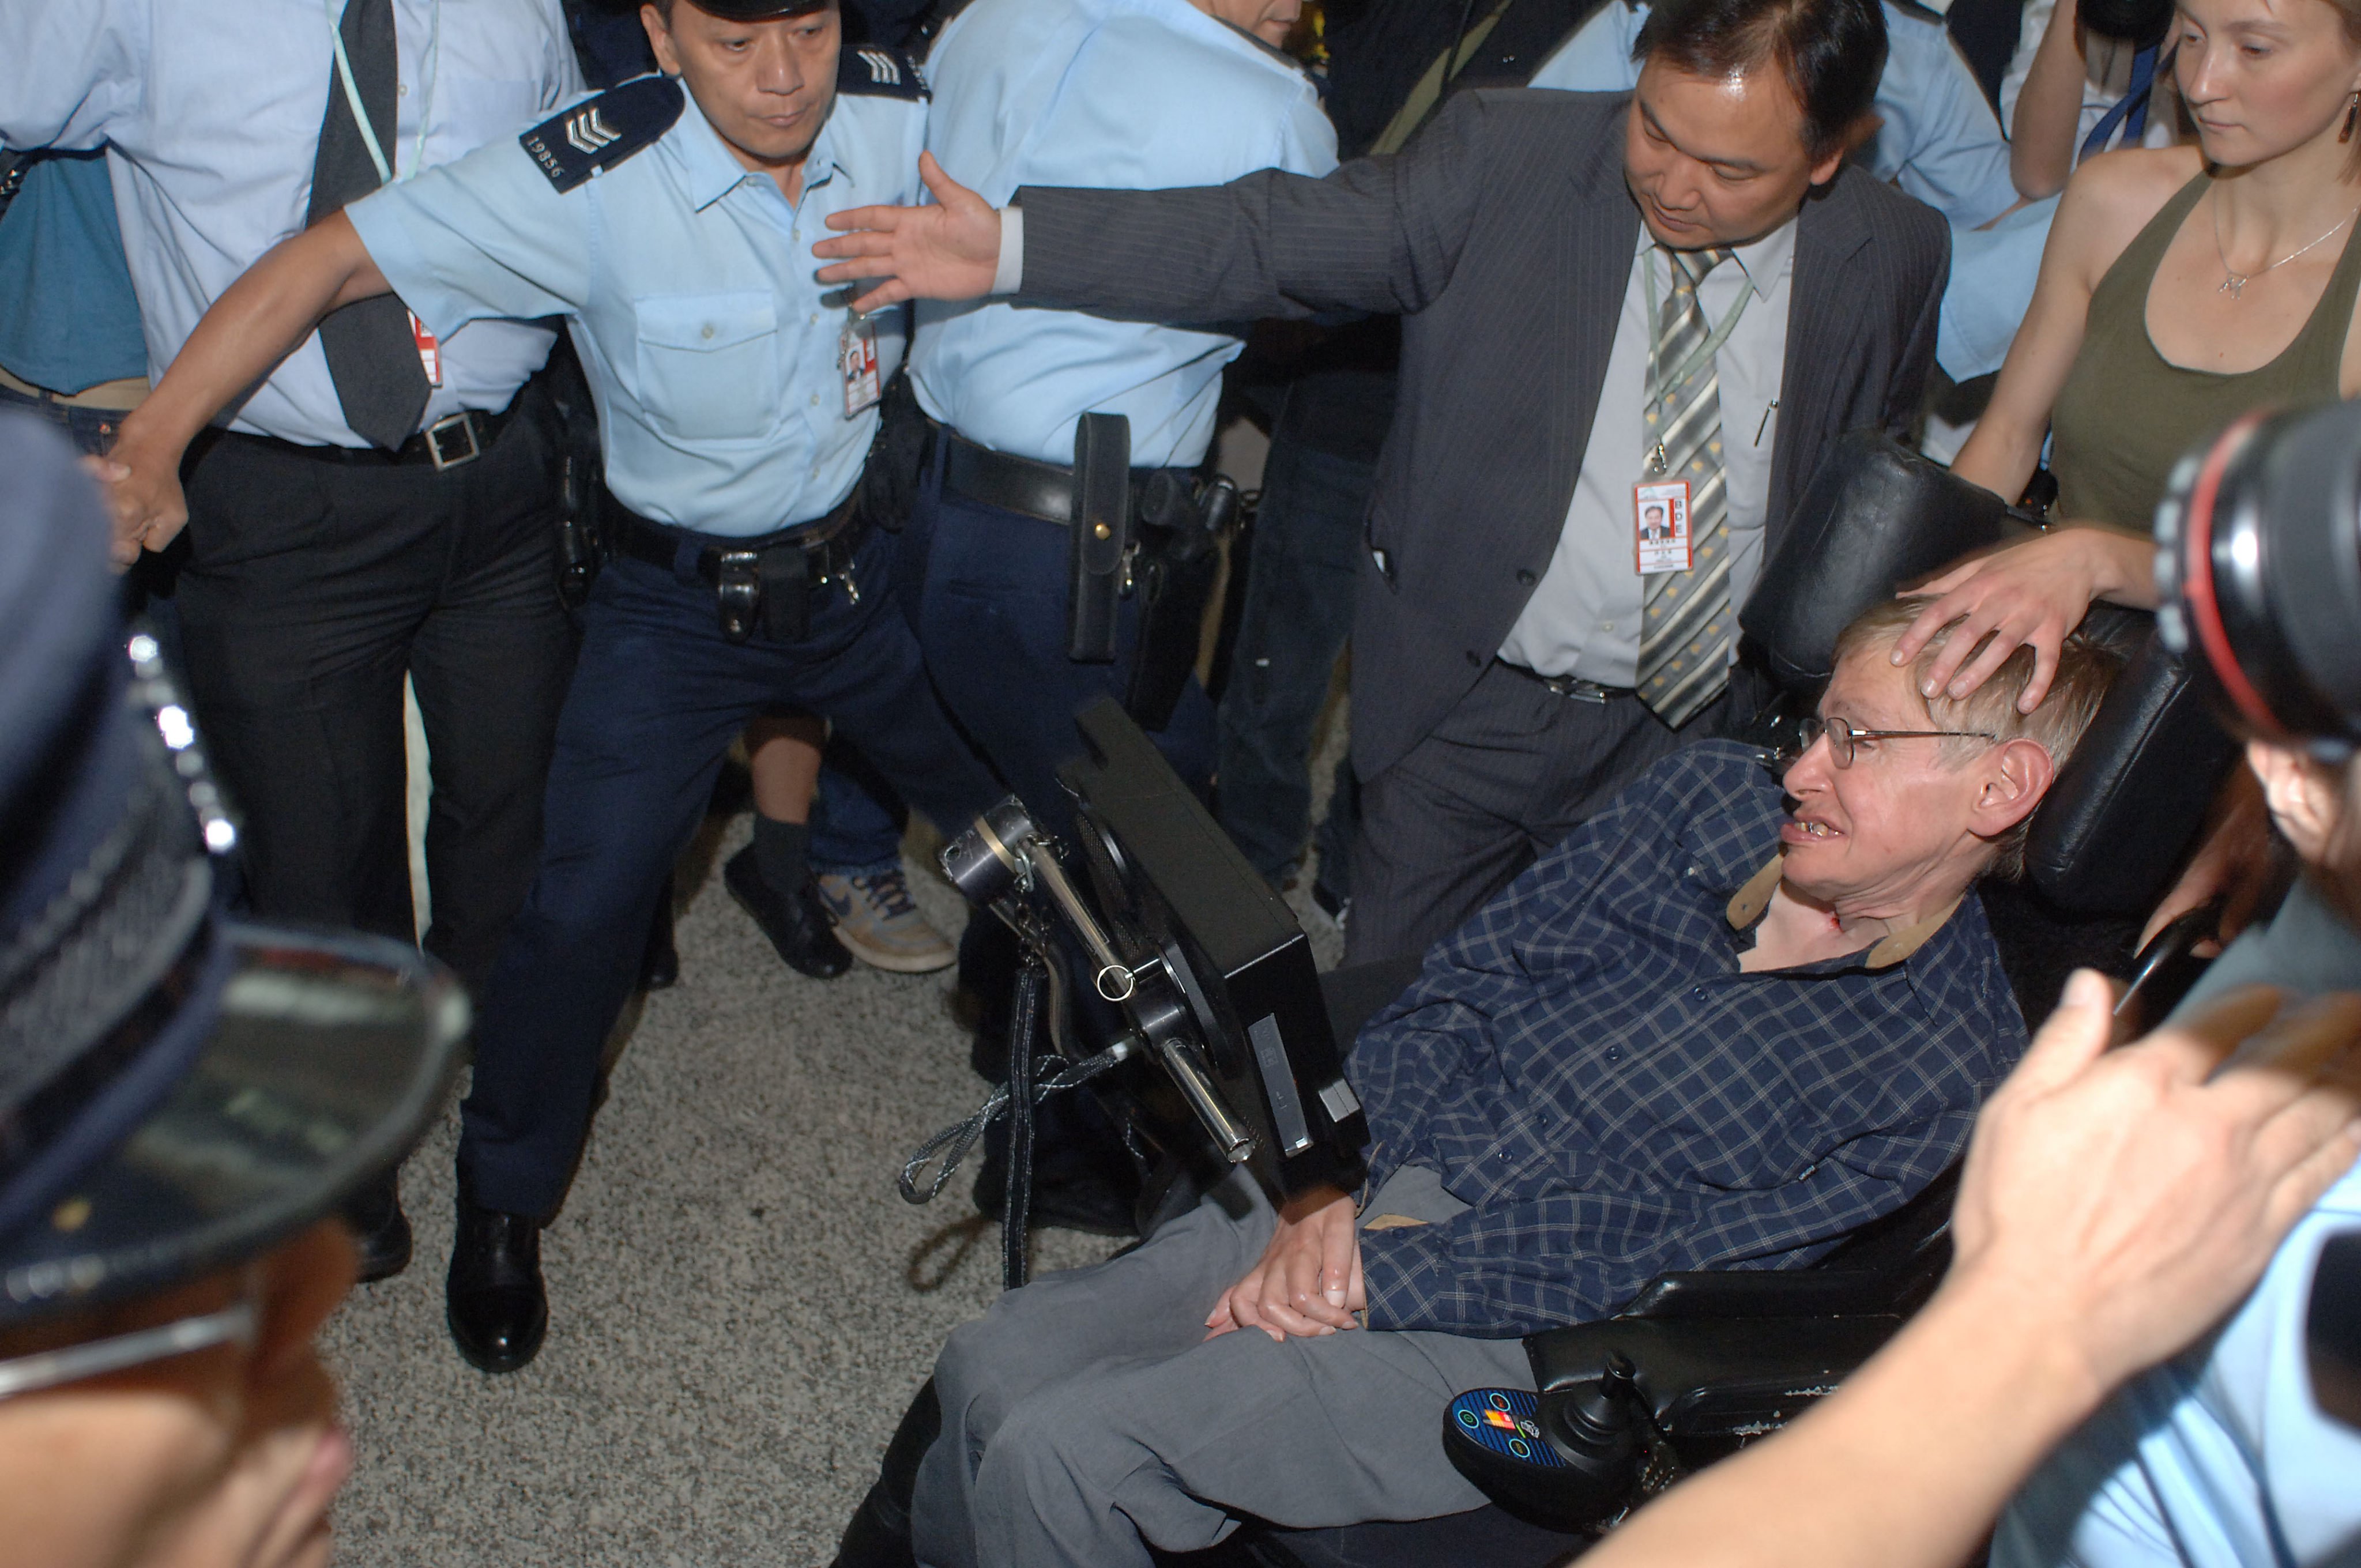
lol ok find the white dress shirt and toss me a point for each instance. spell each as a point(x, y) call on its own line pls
point(211, 112)
point(1584, 617)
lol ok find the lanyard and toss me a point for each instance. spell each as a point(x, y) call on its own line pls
point(1705, 351)
point(2130, 111)
point(353, 92)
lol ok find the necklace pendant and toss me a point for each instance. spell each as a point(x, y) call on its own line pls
point(2233, 284)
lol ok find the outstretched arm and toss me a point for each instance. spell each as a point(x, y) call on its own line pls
point(257, 321)
point(2114, 1206)
point(1380, 235)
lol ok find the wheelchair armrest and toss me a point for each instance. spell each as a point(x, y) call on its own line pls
point(1710, 1383)
point(2167, 968)
point(1765, 1293)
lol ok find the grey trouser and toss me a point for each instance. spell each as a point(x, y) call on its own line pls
point(1511, 771)
point(1088, 1412)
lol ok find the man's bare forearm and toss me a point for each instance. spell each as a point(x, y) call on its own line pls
point(1903, 1467)
point(257, 323)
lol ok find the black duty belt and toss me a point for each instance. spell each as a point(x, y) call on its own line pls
point(1044, 490)
point(450, 442)
point(1573, 687)
point(769, 580)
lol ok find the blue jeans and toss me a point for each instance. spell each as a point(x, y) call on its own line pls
point(1297, 617)
point(658, 695)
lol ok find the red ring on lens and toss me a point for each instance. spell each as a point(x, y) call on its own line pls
point(2197, 582)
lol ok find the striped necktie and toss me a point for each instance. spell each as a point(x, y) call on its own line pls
point(1685, 631)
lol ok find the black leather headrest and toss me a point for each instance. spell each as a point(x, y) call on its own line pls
point(2128, 804)
point(1875, 516)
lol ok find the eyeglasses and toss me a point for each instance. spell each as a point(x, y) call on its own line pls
point(237, 1323)
point(1843, 738)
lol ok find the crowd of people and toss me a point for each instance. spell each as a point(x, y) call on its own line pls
point(837, 381)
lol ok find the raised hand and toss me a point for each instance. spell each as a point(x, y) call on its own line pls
point(947, 251)
point(2127, 1199)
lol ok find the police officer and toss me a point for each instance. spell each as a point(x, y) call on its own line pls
point(737, 404)
point(1136, 94)
point(383, 504)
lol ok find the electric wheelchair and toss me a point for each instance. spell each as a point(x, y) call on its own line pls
point(1217, 986)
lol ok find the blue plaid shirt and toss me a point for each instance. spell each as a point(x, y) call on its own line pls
point(1589, 1071)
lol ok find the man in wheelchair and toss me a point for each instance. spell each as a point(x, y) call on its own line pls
point(1706, 1031)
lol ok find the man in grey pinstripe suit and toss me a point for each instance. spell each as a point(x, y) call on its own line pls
point(1575, 331)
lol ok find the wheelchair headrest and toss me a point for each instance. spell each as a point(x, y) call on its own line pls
point(2129, 801)
point(1875, 516)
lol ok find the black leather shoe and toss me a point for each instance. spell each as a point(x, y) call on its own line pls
point(796, 923)
point(380, 1230)
point(493, 1298)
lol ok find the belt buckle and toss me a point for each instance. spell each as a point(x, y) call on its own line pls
point(1574, 688)
point(738, 591)
point(444, 426)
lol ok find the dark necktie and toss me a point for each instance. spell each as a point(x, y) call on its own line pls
point(1685, 631)
point(372, 355)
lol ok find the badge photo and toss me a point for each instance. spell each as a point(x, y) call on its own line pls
point(1660, 526)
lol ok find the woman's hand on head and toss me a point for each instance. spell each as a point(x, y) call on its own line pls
point(2030, 595)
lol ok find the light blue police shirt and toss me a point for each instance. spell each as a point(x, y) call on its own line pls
point(1939, 141)
point(1116, 94)
point(689, 282)
point(210, 111)
point(1993, 274)
point(2221, 1458)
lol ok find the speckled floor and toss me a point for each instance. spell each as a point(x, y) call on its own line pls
point(741, 1304)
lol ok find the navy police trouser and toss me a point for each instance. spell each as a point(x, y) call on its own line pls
point(657, 696)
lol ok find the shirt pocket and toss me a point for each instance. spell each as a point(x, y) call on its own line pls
point(710, 365)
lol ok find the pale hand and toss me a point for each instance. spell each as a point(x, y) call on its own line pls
point(2031, 593)
point(948, 251)
point(2126, 1200)
point(1308, 1281)
point(143, 493)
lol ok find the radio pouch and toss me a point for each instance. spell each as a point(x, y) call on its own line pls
point(1102, 535)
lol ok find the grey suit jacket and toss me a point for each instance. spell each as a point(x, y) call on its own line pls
point(1504, 236)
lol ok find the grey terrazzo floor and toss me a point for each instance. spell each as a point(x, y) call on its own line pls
point(741, 1302)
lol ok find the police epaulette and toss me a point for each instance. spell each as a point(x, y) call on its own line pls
point(599, 133)
point(874, 71)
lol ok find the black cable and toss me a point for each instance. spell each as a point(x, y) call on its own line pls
point(1023, 1033)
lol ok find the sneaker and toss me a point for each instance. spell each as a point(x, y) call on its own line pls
point(876, 919)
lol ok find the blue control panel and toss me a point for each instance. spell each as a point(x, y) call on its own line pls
point(1508, 1422)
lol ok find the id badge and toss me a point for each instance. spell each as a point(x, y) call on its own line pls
point(430, 353)
point(1660, 525)
point(856, 358)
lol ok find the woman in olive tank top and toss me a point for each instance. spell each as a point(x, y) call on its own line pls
point(2181, 288)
